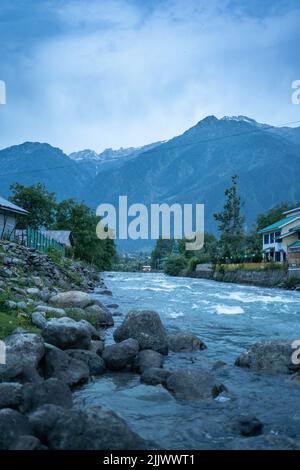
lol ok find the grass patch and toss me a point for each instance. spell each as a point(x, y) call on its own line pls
point(9, 322)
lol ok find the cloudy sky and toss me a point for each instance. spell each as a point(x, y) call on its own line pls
point(111, 73)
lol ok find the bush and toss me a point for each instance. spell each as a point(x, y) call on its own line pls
point(55, 254)
point(175, 265)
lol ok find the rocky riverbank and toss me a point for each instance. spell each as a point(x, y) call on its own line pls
point(62, 346)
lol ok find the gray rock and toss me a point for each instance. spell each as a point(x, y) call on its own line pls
point(147, 359)
point(193, 385)
point(182, 341)
point(38, 319)
point(118, 356)
point(28, 443)
point(106, 292)
point(146, 327)
point(94, 362)
point(33, 291)
point(21, 306)
point(249, 426)
point(24, 352)
point(95, 429)
point(112, 306)
point(155, 376)
point(56, 312)
point(13, 425)
point(66, 333)
point(72, 299)
point(62, 366)
point(99, 316)
point(90, 328)
point(51, 391)
point(97, 347)
point(10, 395)
point(270, 356)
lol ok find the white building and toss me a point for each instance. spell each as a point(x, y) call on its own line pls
point(281, 240)
point(8, 218)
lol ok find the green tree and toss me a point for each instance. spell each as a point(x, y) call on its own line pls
point(163, 248)
point(175, 265)
point(39, 203)
point(82, 222)
point(232, 239)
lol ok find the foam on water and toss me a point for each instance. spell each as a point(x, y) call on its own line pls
point(229, 310)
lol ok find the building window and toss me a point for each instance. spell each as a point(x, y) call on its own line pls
point(277, 234)
point(266, 239)
point(272, 237)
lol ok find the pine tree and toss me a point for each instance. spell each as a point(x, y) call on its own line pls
point(231, 223)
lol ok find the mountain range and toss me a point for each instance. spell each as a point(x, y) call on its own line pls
point(194, 167)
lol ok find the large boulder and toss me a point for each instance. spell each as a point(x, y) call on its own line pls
point(39, 319)
point(11, 395)
point(91, 329)
point(94, 362)
point(270, 356)
point(97, 347)
point(193, 385)
point(51, 311)
point(13, 425)
point(72, 299)
point(66, 333)
point(60, 365)
point(146, 327)
point(27, 443)
point(146, 359)
point(24, 352)
point(95, 429)
point(118, 356)
point(184, 341)
point(51, 391)
point(155, 376)
point(99, 316)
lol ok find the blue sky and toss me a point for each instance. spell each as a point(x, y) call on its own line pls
point(102, 73)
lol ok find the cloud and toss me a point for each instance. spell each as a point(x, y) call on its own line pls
point(123, 73)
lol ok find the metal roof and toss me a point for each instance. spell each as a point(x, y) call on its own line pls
point(292, 210)
point(9, 206)
point(295, 245)
point(281, 223)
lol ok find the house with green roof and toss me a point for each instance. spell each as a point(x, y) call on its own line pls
point(281, 240)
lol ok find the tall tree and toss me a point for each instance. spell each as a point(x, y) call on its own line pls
point(231, 223)
point(39, 203)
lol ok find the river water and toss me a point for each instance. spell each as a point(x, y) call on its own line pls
point(228, 318)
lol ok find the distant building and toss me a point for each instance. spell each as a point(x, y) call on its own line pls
point(64, 237)
point(8, 218)
point(281, 240)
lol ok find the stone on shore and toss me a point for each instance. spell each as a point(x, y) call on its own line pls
point(39, 319)
point(10, 395)
point(95, 429)
point(28, 443)
point(120, 355)
point(184, 341)
point(193, 385)
point(60, 365)
point(100, 316)
point(147, 359)
point(51, 391)
point(52, 311)
point(146, 327)
point(97, 347)
point(72, 299)
point(155, 376)
point(24, 352)
point(66, 333)
point(94, 362)
point(13, 425)
point(269, 356)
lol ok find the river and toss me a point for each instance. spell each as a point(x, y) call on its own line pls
point(228, 318)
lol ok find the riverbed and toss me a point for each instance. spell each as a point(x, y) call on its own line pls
point(229, 318)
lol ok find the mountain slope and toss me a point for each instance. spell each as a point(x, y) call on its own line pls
point(197, 166)
point(34, 162)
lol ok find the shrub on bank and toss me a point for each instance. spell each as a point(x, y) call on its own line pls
point(175, 265)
